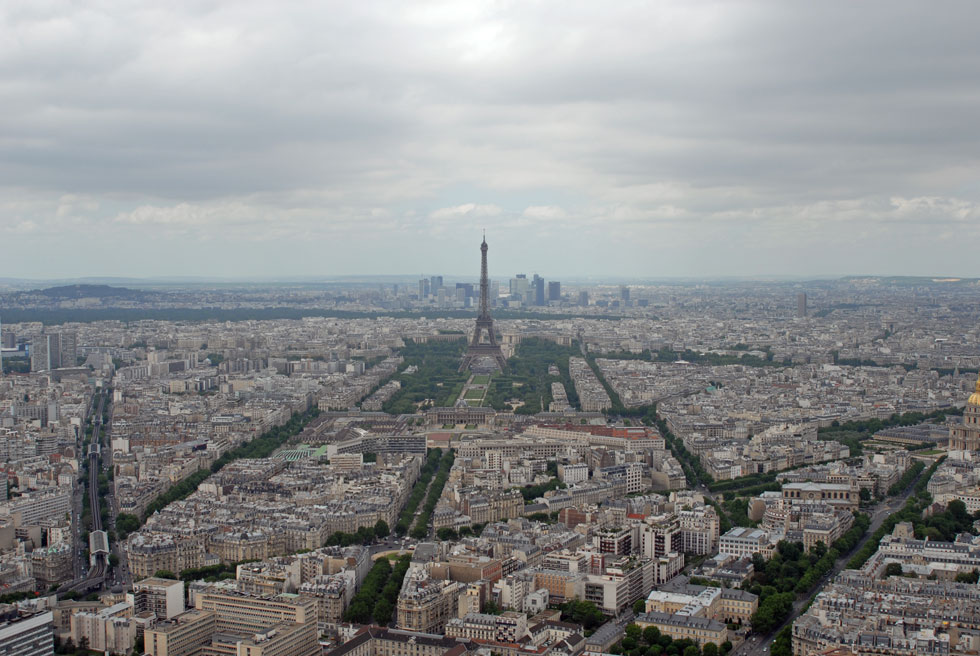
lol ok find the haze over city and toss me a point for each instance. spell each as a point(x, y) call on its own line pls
point(704, 139)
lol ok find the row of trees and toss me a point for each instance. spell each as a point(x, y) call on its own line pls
point(378, 595)
point(421, 528)
point(910, 475)
point(446, 534)
point(792, 570)
point(852, 433)
point(258, 447)
point(648, 411)
point(617, 403)
point(694, 471)
point(415, 498)
point(180, 490)
point(910, 512)
point(264, 445)
point(783, 644)
point(667, 354)
point(364, 535)
point(741, 482)
point(209, 573)
point(753, 490)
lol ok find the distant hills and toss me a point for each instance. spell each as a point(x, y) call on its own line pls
point(913, 281)
point(71, 292)
point(104, 294)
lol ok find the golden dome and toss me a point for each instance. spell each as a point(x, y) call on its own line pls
point(975, 397)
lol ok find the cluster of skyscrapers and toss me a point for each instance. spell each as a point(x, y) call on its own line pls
point(522, 291)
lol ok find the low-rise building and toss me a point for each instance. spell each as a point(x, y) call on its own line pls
point(183, 635)
point(742, 541)
point(701, 630)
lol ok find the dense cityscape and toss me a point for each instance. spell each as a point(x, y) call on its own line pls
point(489, 328)
point(689, 469)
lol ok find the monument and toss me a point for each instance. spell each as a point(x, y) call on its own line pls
point(480, 352)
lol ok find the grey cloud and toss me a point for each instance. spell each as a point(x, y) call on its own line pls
point(646, 119)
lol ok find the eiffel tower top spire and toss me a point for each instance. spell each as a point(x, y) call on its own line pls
point(484, 281)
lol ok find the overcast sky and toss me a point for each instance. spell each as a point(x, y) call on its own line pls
point(589, 138)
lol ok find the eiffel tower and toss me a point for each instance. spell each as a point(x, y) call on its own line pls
point(478, 349)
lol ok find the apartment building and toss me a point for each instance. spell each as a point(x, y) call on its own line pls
point(378, 641)
point(426, 604)
point(25, 633)
point(701, 630)
point(183, 635)
point(162, 597)
point(242, 613)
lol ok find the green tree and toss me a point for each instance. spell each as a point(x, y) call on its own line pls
point(709, 649)
point(893, 569)
point(381, 529)
point(639, 606)
point(383, 611)
point(968, 577)
point(783, 644)
point(651, 635)
point(585, 613)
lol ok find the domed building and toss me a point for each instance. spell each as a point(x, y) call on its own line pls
point(965, 436)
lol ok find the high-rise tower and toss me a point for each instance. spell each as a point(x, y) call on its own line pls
point(478, 349)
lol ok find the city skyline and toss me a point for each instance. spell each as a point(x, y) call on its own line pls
point(682, 139)
point(263, 465)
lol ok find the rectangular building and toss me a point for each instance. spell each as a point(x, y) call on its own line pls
point(184, 635)
point(741, 541)
point(25, 635)
point(247, 614)
point(162, 597)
